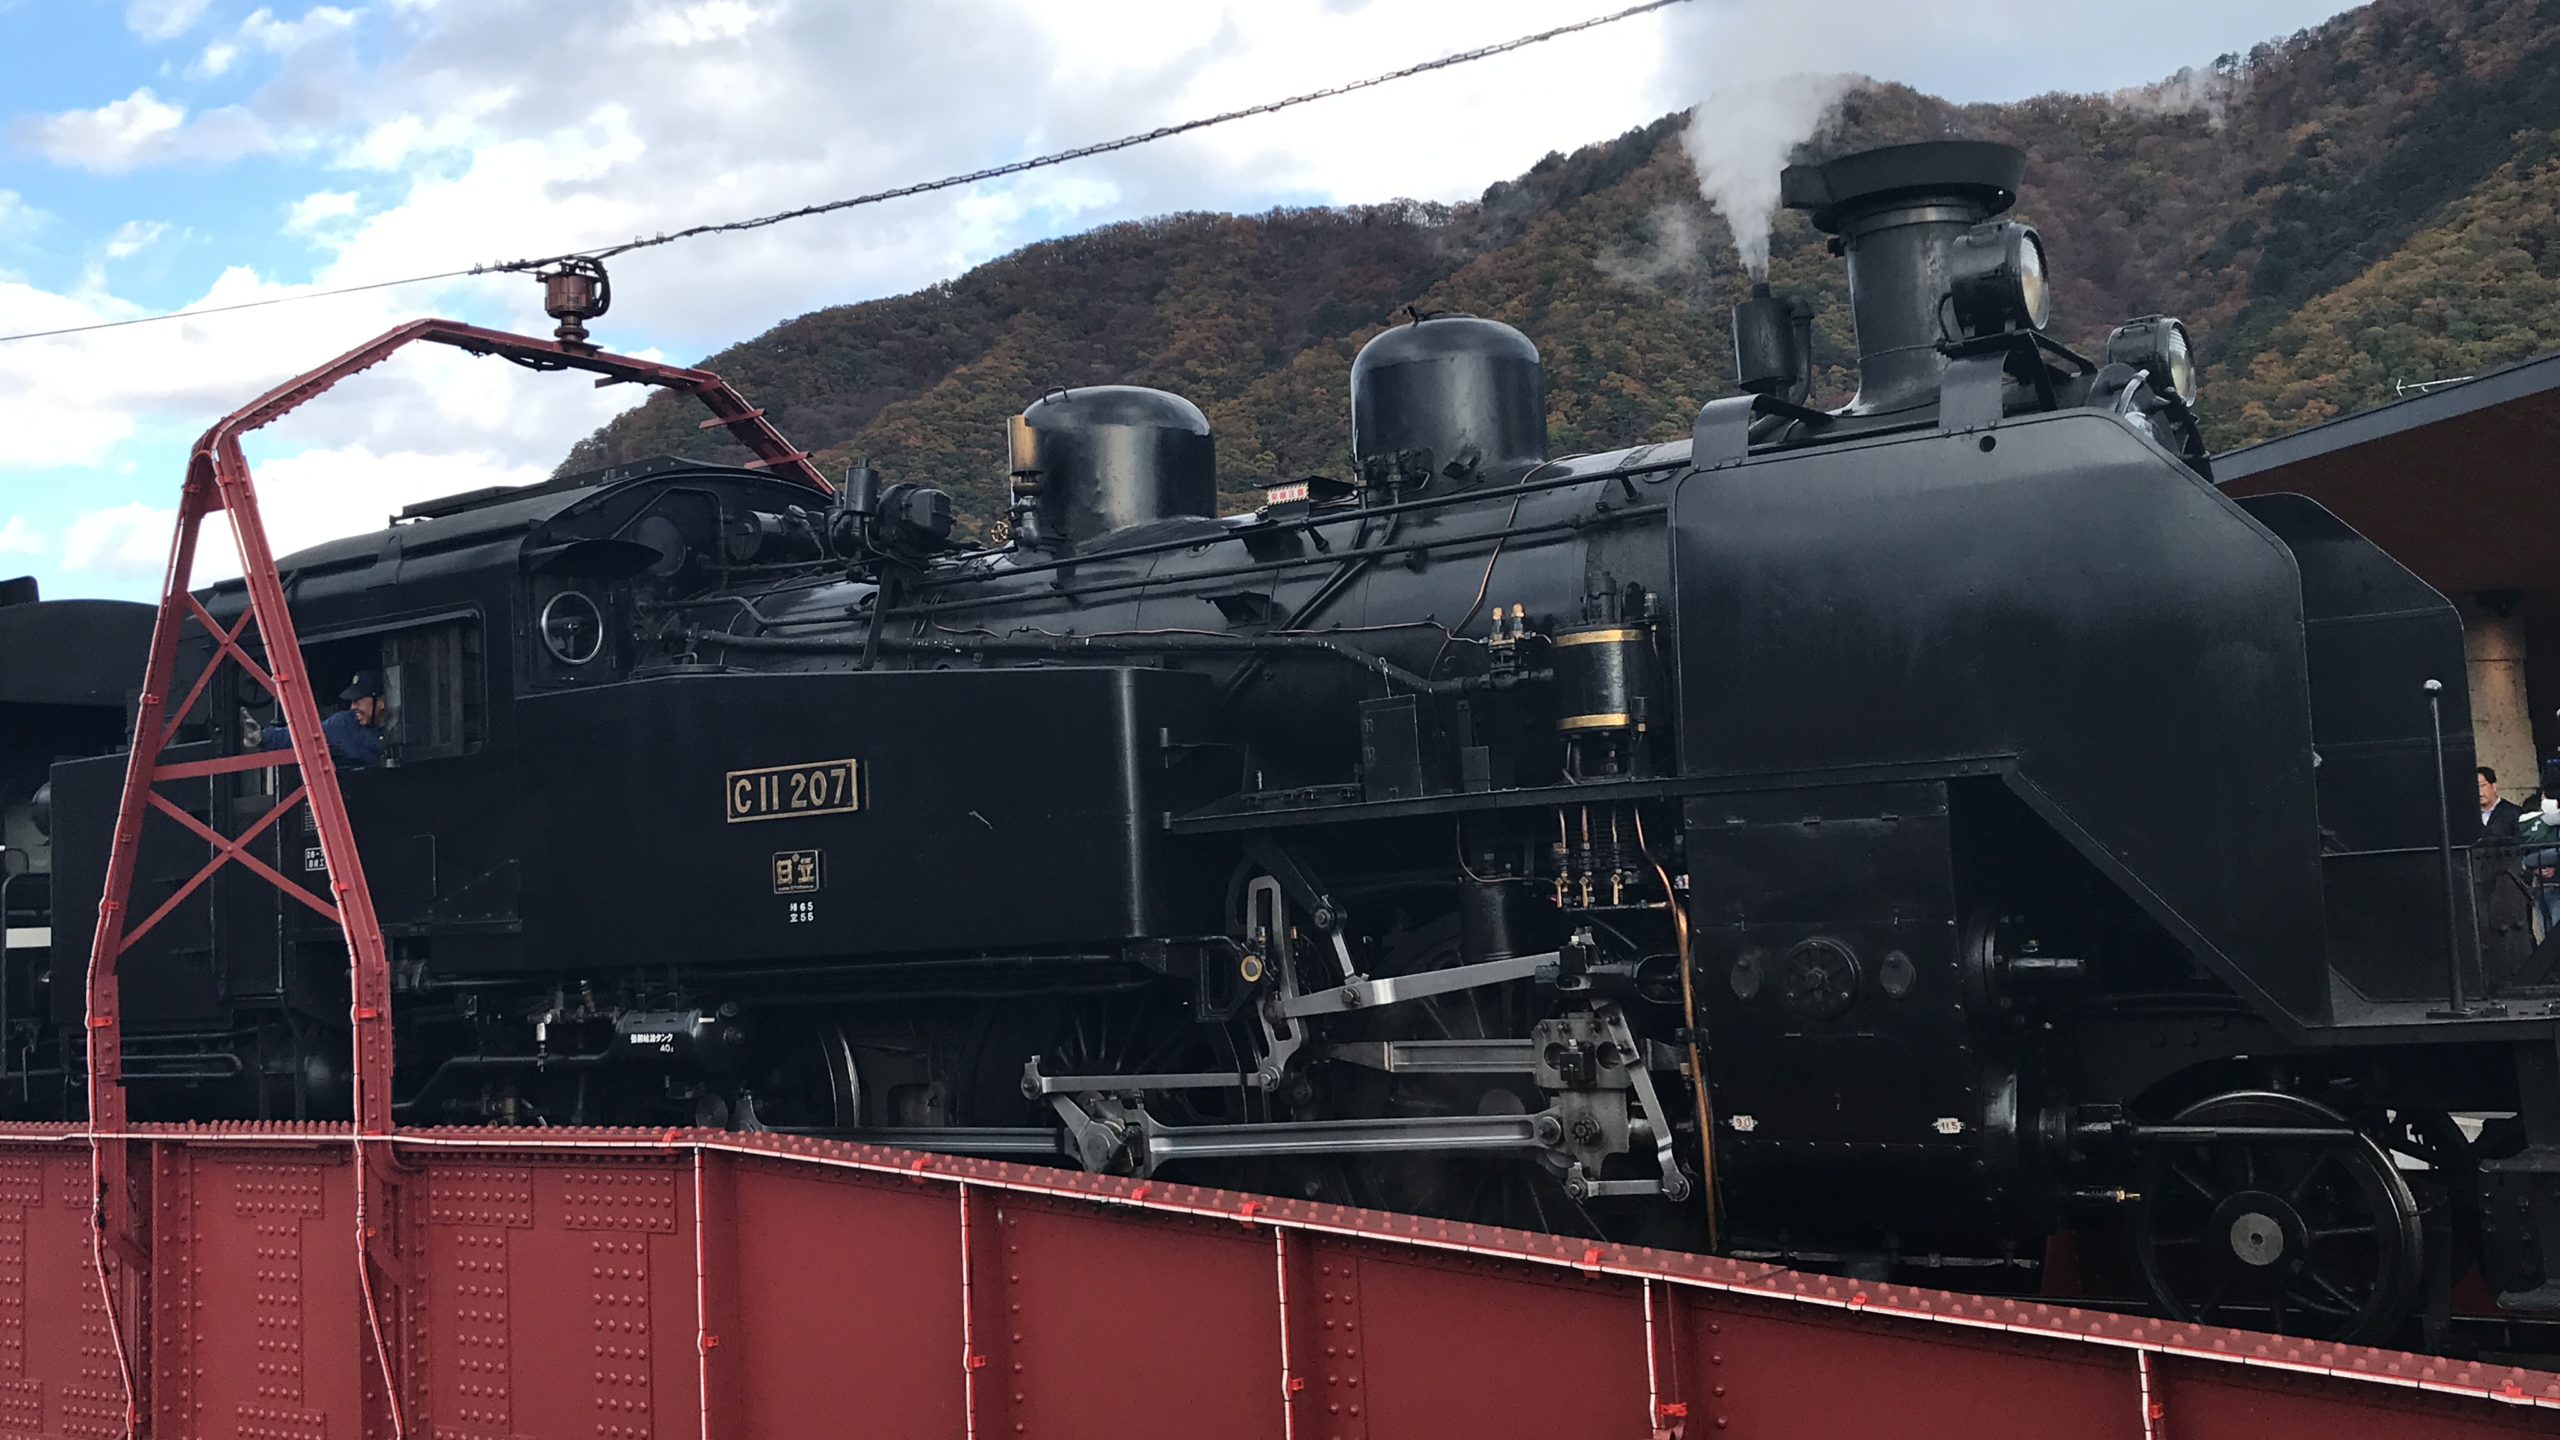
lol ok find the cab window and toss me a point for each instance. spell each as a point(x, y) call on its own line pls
point(433, 680)
point(433, 674)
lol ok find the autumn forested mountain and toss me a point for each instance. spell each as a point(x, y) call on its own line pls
point(2373, 201)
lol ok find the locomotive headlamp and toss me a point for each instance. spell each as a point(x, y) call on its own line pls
point(2157, 345)
point(1996, 279)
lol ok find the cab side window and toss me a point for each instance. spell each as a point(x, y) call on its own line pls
point(436, 683)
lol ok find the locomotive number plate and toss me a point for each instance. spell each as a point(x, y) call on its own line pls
point(778, 792)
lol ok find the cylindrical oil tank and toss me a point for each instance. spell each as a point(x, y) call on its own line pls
point(1608, 679)
point(1445, 400)
point(1090, 461)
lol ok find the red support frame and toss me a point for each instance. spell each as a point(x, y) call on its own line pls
point(218, 481)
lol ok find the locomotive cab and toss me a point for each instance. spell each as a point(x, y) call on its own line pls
point(468, 608)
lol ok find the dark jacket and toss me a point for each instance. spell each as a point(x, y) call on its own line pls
point(355, 746)
point(2499, 825)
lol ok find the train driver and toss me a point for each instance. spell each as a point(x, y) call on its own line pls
point(355, 733)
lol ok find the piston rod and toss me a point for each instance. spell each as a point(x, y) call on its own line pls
point(1427, 1134)
point(1438, 1057)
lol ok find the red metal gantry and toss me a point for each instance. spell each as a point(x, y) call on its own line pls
point(308, 1282)
point(218, 481)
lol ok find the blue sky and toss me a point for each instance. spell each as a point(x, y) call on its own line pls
point(160, 154)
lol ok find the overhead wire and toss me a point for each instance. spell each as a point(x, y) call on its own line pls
point(921, 187)
point(1104, 147)
point(196, 310)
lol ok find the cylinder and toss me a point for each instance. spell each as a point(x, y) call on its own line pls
point(1091, 461)
point(1447, 400)
point(1896, 211)
point(1607, 679)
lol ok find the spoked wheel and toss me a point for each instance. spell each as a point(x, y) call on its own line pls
point(1133, 1033)
point(1143, 1035)
point(2315, 1238)
point(807, 1081)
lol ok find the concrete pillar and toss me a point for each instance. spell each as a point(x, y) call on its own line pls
point(2501, 719)
point(2540, 612)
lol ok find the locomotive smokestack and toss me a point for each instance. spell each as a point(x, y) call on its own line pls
point(1895, 212)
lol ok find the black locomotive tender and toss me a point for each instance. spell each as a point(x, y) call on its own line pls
point(1885, 836)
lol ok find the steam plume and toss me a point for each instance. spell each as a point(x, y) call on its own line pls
point(1739, 138)
point(1670, 250)
point(2190, 91)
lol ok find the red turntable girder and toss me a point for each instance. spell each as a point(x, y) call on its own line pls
point(200, 1281)
point(701, 1284)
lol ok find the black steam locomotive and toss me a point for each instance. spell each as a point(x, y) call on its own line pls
point(1873, 837)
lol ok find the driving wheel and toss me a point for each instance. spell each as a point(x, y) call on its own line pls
point(2311, 1237)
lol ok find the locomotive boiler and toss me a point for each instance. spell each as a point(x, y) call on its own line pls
point(1870, 838)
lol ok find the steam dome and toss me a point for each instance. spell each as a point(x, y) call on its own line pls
point(1090, 461)
point(1451, 397)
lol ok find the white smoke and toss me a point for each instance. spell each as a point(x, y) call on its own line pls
point(1740, 136)
point(1669, 251)
point(2190, 91)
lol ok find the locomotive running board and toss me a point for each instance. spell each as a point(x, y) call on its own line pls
point(721, 1286)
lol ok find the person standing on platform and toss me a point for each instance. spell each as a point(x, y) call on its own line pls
point(2497, 817)
point(2539, 833)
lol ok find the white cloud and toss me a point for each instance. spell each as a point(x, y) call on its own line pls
point(326, 492)
point(317, 209)
point(143, 129)
point(135, 236)
point(1963, 50)
point(60, 402)
point(114, 137)
point(699, 24)
point(17, 217)
point(450, 131)
point(79, 401)
point(19, 537)
point(163, 19)
point(304, 498)
point(283, 37)
point(262, 31)
point(122, 542)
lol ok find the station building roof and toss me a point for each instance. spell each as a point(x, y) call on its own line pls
point(2462, 483)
